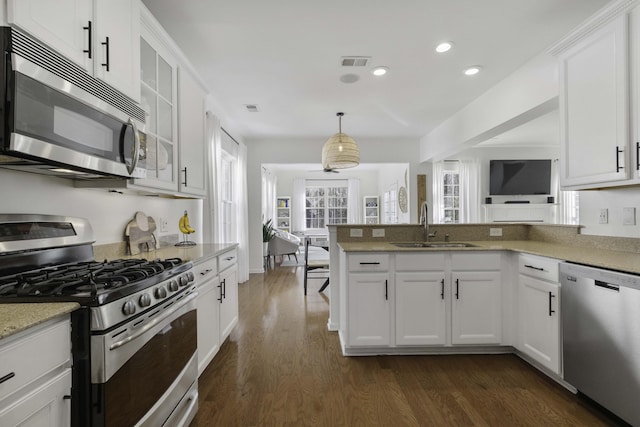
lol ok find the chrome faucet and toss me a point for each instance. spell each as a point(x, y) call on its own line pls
point(424, 220)
point(424, 210)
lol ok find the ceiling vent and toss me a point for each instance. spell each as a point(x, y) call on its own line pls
point(252, 108)
point(355, 61)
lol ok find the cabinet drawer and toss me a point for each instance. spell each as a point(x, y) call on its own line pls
point(368, 262)
point(477, 261)
point(32, 355)
point(542, 268)
point(227, 259)
point(205, 270)
point(420, 262)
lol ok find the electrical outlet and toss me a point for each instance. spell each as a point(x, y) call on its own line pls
point(495, 232)
point(604, 216)
point(628, 216)
point(377, 232)
point(162, 225)
point(355, 232)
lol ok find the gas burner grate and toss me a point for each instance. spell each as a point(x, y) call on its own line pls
point(84, 279)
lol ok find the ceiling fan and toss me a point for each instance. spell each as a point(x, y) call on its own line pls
point(326, 170)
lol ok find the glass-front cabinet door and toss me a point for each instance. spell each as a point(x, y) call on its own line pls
point(159, 99)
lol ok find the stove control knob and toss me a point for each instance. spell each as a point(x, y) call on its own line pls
point(173, 286)
point(184, 281)
point(190, 276)
point(160, 292)
point(129, 308)
point(145, 300)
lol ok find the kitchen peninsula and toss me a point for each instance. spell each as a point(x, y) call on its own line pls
point(491, 262)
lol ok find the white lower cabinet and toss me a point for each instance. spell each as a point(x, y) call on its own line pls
point(208, 312)
point(417, 299)
point(539, 311)
point(35, 376)
point(228, 295)
point(420, 308)
point(217, 279)
point(228, 299)
point(369, 309)
point(476, 307)
point(46, 406)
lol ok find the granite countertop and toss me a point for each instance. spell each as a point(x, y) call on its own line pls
point(17, 317)
point(195, 253)
point(610, 259)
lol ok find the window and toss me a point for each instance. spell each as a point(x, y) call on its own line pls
point(325, 205)
point(451, 197)
point(389, 204)
point(226, 199)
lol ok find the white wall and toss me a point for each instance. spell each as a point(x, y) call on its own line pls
point(393, 176)
point(368, 179)
point(107, 212)
point(297, 150)
point(614, 200)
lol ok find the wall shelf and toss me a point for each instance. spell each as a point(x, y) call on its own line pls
point(283, 212)
point(371, 207)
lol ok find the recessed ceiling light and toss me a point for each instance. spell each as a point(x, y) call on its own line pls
point(444, 47)
point(380, 71)
point(472, 71)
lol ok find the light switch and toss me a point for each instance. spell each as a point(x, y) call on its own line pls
point(628, 216)
point(495, 232)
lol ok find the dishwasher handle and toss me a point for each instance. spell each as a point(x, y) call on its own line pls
point(606, 285)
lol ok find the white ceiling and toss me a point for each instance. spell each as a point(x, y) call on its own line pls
point(284, 56)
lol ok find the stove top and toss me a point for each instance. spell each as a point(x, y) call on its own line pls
point(90, 283)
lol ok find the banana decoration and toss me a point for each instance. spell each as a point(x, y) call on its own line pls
point(185, 229)
point(184, 226)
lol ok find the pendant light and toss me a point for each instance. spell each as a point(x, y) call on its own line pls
point(340, 151)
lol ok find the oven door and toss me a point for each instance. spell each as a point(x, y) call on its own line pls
point(146, 369)
point(53, 121)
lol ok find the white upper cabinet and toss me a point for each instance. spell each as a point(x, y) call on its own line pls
point(159, 93)
point(594, 108)
point(65, 25)
point(101, 36)
point(192, 127)
point(117, 33)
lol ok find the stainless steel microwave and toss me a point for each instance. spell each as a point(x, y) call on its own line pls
point(59, 120)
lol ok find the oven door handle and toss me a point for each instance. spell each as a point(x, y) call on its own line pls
point(153, 323)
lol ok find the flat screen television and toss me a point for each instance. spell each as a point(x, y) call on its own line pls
point(519, 177)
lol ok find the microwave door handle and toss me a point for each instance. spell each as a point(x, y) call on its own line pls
point(136, 148)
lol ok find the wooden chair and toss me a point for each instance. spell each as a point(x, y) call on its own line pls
point(310, 265)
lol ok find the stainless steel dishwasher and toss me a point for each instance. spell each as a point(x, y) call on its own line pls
point(601, 337)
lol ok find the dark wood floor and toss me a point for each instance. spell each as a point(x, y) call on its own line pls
point(281, 367)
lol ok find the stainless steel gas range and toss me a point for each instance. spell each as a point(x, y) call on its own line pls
point(134, 337)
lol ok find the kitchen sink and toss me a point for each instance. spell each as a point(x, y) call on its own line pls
point(434, 245)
